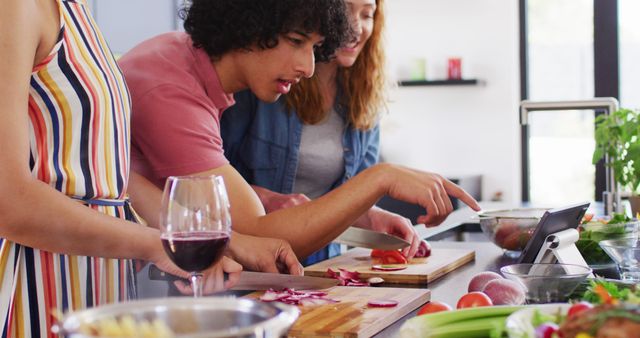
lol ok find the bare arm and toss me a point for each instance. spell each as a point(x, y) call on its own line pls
point(146, 199)
point(310, 226)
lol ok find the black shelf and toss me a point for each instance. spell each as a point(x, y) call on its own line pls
point(463, 82)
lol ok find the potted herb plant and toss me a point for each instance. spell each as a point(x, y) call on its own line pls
point(618, 136)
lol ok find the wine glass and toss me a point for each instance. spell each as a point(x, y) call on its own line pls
point(195, 223)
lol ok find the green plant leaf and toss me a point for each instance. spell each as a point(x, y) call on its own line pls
point(617, 136)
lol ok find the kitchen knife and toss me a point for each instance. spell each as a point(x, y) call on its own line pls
point(260, 280)
point(364, 238)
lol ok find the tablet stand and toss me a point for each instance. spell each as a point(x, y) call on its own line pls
point(560, 247)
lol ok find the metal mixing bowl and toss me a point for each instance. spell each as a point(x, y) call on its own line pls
point(192, 317)
point(511, 229)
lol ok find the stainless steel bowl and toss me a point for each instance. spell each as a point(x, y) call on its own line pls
point(192, 318)
point(511, 229)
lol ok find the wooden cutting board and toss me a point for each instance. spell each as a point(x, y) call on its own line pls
point(351, 317)
point(419, 270)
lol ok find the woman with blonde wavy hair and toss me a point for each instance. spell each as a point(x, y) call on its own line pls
point(321, 134)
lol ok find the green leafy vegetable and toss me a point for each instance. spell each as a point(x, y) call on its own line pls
point(617, 136)
point(594, 232)
point(619, 218)
point(621, 292)
point(592, 252)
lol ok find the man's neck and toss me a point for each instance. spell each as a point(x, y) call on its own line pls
point(228, 73)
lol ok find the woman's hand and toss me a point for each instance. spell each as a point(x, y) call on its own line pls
point(264, 254)
point(213, 278)
point(380, 220)
point(273, 201)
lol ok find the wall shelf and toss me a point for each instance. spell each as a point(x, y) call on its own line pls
point(463, 82)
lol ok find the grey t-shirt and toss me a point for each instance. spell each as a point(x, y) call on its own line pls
point(321, 157)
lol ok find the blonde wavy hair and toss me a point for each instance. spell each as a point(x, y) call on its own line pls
point(363, 85)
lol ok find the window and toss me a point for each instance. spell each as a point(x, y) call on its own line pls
point(629, 28)
point(560, 144)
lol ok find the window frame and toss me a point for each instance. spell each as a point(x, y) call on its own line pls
point(606, 76)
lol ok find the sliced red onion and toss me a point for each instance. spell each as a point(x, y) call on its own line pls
point(272, 295)
point(373, 281)
point(424, 250)
point(383, 267)
point(382, 303)
point(347, 278)
point(354, 275)
point(293, 297)
point(316, 293)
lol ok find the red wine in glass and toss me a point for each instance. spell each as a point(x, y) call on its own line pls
point(195, 223)
point(195, 251)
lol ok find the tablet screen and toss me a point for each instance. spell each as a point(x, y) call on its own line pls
point(552, 221)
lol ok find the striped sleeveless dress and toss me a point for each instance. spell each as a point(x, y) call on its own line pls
point(79, 109)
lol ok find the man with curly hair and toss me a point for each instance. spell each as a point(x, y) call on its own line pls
point(181, 84)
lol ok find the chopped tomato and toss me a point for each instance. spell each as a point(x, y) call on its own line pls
point(474, 299)
point(389, 256)
point(395, 257)
point(578, 307)
point(433, 307)
point(377, 253)
point(547, 330)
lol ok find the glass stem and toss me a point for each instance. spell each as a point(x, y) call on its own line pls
point(196, 284)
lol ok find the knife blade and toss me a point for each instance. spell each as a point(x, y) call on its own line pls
point(250, 280)
point(364, 238)
point(263, 281)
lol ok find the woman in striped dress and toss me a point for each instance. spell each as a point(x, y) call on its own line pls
point(64, 132)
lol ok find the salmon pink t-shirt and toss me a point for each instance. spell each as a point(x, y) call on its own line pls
point(177, 101)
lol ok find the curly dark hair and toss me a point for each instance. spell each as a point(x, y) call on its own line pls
point(220, 26)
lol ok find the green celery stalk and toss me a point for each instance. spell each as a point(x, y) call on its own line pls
point(481, 327)
point(422, 325)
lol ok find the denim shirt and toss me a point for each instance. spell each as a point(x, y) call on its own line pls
point(262, 141)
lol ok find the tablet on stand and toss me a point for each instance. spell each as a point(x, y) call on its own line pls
point(553, 240)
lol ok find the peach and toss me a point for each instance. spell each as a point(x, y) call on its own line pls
point(478, 281)
point(504, 292)
point(503, 231)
